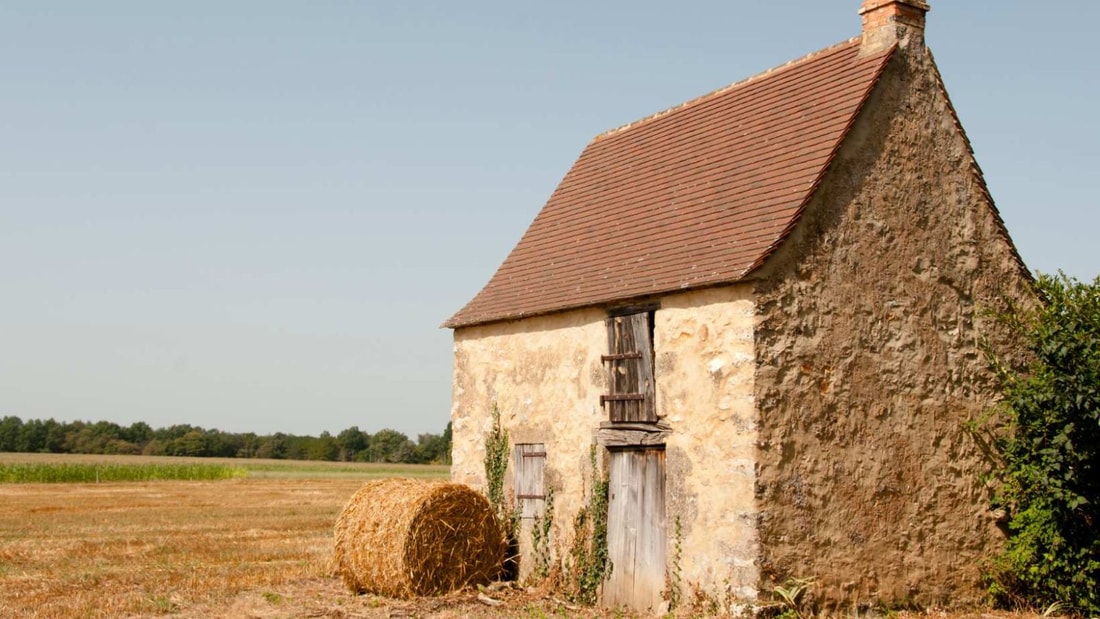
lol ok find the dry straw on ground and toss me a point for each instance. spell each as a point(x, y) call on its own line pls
point(403, 538)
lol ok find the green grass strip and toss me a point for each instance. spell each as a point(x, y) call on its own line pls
point(305, 468)
point(95, 473)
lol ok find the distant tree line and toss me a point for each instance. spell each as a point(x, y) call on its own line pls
point(105, 437)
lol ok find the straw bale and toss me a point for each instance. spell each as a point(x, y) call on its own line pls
point(404, 537)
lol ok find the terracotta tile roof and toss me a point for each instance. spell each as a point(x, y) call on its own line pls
point(694, 196)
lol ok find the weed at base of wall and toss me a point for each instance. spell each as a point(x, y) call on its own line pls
point(674, 593)
point(496, 468)
point(541, 552)
point(589, 565)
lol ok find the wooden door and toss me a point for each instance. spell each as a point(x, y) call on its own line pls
point(636, 529)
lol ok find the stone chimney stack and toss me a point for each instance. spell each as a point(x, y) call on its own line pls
point(889, 22)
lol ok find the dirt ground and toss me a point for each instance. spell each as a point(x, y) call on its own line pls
point(327, 598)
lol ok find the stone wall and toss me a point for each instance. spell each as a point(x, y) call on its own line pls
point(704, 359)
point(546, 377)
point(869, 361)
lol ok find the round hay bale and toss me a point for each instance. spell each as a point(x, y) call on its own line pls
point(403, 538)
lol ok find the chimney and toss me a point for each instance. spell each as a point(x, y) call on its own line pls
point(889, 22)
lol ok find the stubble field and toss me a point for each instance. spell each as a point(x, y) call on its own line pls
point(258, 546)
point(185, 548)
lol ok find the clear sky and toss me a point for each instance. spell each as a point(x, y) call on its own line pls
point(254, 214)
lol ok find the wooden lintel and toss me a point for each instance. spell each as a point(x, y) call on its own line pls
point(660, 426)
point(622, 437)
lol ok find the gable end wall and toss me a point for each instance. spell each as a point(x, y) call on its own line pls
point(869, 319)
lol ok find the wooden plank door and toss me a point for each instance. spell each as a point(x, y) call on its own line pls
point(636, 529)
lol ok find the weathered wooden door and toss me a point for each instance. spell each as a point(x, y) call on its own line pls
point(636, 529)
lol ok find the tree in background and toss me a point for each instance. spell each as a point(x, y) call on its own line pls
point(138, 433)
point(194, 443)
point(32, 436)
point(273, 446)
point(390, 446)
point(9, 433)
point(351, 443)
point(323, 447)
point(105, 437)
point(1051, 453)
point(224, 444)
point(447, 444)
point(297, 447)
point(55, 437)
point(433, 448)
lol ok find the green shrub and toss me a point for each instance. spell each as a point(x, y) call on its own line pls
point(1051, 453)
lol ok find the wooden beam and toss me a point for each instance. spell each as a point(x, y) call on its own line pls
point(630, 437)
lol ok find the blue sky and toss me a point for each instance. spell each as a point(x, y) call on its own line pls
point(254, 215)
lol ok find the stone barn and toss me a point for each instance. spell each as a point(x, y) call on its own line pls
point(767, 309)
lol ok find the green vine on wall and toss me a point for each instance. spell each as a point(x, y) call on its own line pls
point(496, 464)
point(540, 539)
point(496, 468)
point(673, 578)
point(590, 565)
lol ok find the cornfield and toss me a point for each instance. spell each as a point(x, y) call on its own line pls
point(53, 473)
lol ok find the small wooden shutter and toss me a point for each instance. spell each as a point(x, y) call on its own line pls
point(530, 464)
point(630, 369)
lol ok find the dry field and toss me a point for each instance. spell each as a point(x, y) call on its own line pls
point(254, 547)
point(121, 549)
point(173, 547)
